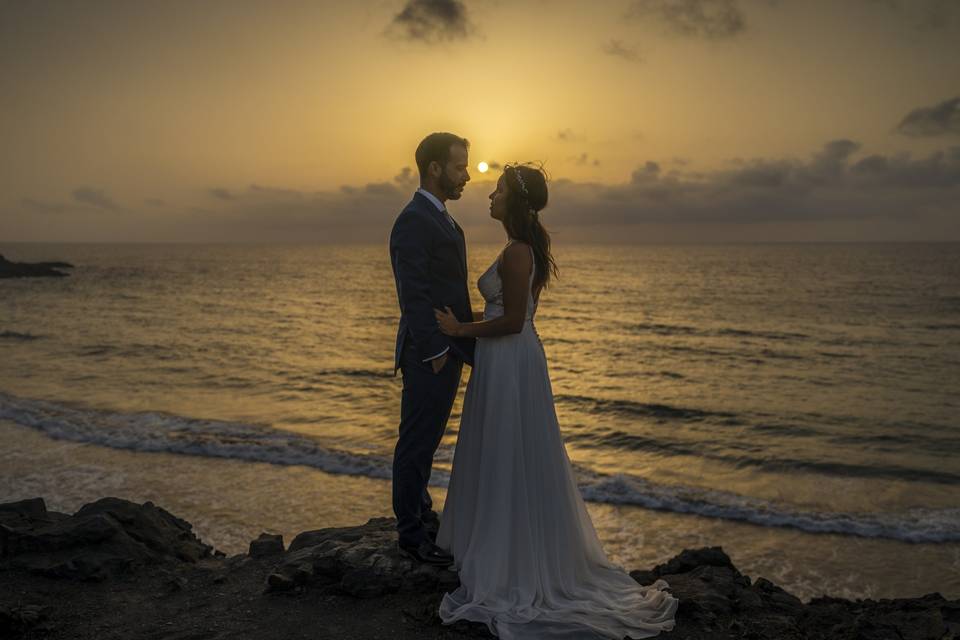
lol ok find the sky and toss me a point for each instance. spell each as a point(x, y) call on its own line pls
point(656, 120)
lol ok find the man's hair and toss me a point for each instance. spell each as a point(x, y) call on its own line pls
point(436, 147)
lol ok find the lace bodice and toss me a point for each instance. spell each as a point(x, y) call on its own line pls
point(491, 288)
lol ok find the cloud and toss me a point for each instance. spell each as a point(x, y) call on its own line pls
point(924, 15)
point(431, 22)
point(649, 172)
point(938, 120)
point(618, 49)
point(256, 190)
point(95, 197)
point(835, 189)
point(155, 202)
point(85, 200)
point(568, 135)
point(714, 19)
point(584, 159)
point(222, 194)
point(829, 185)
point(836, 182)
point(38, 206)
point(407, 177)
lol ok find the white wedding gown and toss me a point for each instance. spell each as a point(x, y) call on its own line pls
point(530, 562)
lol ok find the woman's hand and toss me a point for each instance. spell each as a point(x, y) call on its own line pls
point(449, 325)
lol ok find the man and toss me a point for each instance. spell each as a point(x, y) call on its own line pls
point(429, 258)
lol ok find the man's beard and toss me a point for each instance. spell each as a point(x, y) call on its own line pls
point(448, 187)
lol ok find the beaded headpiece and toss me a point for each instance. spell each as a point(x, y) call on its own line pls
point(523, 188)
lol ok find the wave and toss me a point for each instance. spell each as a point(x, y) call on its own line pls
point(770, 335)
point(914, 525)
point(835, 354)
point(164, 432)
point(132, 350)
point(15, 335)
point(843, 469)
point(687, 330)
point(634, 409)
point(723, 452)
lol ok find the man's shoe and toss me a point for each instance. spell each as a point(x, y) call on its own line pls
point(427, 553)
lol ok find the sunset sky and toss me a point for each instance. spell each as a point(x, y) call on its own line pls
point(657, 120)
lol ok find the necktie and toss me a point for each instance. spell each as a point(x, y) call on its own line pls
point(450, 219)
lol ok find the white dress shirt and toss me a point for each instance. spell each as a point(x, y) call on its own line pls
point(439, 205)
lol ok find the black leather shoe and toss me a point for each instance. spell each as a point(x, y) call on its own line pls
point(427, 553)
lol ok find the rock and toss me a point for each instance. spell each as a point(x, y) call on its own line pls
point(643, 576)
point(173, 582)
point(29, 508)
point(360, 561)
point(112, 536)
point(238, 561)
point(690, 559)
point(367, 582)
point(32, 270)
point(931, 617)
point(15, 620)
point(266, 545)
point(103, 538)
point(776, 599)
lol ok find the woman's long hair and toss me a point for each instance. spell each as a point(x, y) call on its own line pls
point(526, 198)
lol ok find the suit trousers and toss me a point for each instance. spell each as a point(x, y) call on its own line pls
point(424, 410)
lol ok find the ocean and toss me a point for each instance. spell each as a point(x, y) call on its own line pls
point(796, 404)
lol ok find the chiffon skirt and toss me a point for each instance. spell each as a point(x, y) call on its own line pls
point(530, 562)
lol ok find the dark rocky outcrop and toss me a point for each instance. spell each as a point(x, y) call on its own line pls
point(103, 538)
point(32, 269)
point(361, 561)
point(129, 570)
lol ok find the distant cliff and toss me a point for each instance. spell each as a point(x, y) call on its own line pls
point(32, 269)
point(117, 569)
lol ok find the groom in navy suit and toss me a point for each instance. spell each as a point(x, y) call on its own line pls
point(429, 258)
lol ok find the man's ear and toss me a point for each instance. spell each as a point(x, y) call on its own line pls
point(435, 169)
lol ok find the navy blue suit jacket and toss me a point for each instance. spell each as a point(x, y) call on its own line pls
point(429, 260)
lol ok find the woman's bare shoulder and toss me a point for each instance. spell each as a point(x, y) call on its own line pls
point(518, 250)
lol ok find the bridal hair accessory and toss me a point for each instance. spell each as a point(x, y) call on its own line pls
point(523, 187)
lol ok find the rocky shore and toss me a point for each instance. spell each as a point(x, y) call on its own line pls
point(117, 569)
point(32, 269)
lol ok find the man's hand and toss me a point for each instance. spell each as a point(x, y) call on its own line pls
point(438, 363)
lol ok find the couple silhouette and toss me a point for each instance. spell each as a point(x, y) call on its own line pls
point(513, 525)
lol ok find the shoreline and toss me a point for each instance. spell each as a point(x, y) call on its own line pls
point(229, 502)
point(117, 569)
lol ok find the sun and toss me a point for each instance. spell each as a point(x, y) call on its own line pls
point(482, 167)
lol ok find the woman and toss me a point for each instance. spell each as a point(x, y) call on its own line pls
point(530, 562)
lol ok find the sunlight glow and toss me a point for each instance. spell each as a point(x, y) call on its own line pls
point(482, 167)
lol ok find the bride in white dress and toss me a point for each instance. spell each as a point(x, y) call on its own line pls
point(530, 562)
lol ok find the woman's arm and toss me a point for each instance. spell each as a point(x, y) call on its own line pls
point(515, 268)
